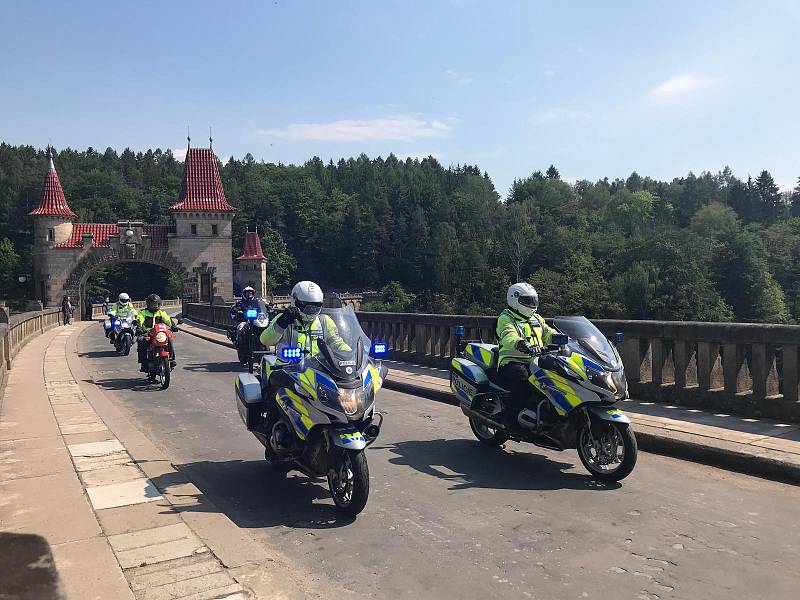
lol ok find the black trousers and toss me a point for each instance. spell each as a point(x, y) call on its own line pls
point(514, 378)
point(141, 350)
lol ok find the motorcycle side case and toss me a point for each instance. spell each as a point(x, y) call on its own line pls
point(248, 400)
point(467, 379)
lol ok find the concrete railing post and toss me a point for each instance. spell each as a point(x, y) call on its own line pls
point(790, 373)
point(760, 371)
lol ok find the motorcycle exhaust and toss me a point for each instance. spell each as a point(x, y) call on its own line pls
point(490, 422)
point(281, 439)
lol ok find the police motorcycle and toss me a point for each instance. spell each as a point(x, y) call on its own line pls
point(312, 406)
point(253, 320)
point(120, 330)
point(574, 383)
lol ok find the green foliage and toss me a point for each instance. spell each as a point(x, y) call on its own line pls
point(393, 299)
point(699, 247)
point(9, 269)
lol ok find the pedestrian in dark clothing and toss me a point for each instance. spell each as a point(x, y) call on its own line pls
point(66, 310)
point(87, 308)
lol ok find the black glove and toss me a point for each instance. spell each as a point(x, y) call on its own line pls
point(526, 347)
point(289, 316)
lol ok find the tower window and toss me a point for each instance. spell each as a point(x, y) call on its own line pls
point(194, 229)
point(214, 230)
point(51, 235)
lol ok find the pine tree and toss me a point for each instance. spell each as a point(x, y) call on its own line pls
point(769, 197)
point(552, 172)
point(795, 200)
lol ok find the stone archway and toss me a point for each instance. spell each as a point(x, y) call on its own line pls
point(100, 258)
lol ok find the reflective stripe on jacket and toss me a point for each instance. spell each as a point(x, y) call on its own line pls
point(513, 327)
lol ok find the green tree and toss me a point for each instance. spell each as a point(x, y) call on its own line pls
point(742, 275)
point(9, 270)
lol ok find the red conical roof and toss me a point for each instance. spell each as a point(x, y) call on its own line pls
point(52, 202)
point(202, 186)
point(252, 247)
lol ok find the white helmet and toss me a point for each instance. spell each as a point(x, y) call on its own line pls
point(124, 298)
point(307, 296)
point(523, 299)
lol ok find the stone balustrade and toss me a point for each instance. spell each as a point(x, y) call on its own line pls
point(17, 330)
point(745, 368)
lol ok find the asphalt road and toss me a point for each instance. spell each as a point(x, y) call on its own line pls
point(450, 518)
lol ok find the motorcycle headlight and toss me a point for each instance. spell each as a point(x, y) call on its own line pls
point(350, 401)
point(161, 337)
point(261, 321)
point(603, 380)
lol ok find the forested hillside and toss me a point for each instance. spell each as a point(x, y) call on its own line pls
point(699, 247)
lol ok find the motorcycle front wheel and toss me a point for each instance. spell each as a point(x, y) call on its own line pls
point(608, 453)
point(348, 480)
point(164, 372)
point(485, 434)
point(126, 345)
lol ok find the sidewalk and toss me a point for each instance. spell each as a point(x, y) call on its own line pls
point(755, 446)
point(120, 522)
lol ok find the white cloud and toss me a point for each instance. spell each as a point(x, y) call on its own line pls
point(179, 154)
point(403, 128)
point(679, 86)
point(559, 115)
point(459, 78)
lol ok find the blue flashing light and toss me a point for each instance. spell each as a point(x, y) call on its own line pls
point(459, 329)
point(291, 353)
point(379, 348)
point(251, 313)
point(116, 322)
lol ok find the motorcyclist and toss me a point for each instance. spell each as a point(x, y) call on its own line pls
point(147, 318)
point(247, 301)
point(303, 318)
point(522, 334)
point(121, 308)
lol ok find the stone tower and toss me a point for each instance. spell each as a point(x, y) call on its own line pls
point(52, 225)
point(203, 222)
point(196, 246)
point(251, 267)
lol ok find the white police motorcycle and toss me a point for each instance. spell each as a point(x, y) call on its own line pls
point(312, 406)
point(574, 385)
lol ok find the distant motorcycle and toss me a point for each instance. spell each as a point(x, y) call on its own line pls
point(158, 363)
point(574, 385)
point(254, 320)
point(121, 333)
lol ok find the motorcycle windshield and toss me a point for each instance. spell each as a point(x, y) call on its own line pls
point(586, 339)
point(261, 318)
point(334, 339)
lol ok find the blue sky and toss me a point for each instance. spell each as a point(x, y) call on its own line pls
point(597, 88)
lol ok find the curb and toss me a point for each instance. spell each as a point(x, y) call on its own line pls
point(199, 334)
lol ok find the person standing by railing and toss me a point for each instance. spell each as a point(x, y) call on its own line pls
point(66, 310)
point(105, 306)
point(87, 308)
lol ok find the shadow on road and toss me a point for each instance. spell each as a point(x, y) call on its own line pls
point(99, 353)
point(136, 384)
point(470, 464)
point(253, 494)
point(214, 367)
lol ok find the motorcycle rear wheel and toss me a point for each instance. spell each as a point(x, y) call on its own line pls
point(595, 456)
point(487, 435)
point(348, 481)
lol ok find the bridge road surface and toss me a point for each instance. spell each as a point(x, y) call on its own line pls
point(450, 518)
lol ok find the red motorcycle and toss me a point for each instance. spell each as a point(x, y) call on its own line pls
point(158, 362)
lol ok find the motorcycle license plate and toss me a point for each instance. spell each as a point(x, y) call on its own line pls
point(463, 385)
